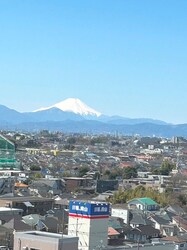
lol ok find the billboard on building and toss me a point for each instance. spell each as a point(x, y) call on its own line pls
point(89, 208)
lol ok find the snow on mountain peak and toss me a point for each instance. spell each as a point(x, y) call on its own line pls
point(74, 105)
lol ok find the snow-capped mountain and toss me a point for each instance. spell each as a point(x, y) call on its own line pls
point(79, 118)
point(73, 105)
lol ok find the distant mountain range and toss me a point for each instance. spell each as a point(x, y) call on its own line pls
point(74, 116)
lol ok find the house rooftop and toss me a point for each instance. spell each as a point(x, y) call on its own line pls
point(38, 233)
point(112, 231)
point(77, 178)
point(147, 201)
point(149, 246)
point(120, 206)
point(24, 198)
point(45, 234)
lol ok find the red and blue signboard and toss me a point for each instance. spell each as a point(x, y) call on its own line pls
point(89, 209)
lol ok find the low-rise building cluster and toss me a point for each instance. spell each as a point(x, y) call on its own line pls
point(62, 191)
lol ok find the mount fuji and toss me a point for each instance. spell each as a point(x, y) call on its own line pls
point(75, 106)
point(74, 116)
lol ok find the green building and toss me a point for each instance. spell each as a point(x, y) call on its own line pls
point(7, 154)
point(144, 204)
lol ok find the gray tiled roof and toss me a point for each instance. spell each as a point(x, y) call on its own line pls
point(140, 219)
point(32, 219)
point(160, 220)
point(145, 230)
point(17, 224)
point(174, 208)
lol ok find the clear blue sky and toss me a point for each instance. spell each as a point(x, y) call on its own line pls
point(121, 57)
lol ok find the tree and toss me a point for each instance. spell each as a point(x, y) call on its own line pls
point(35, 168)
point(182, 199)
point(66, 174)
point(37, 176)
point(113, 175)
point(107, 172)
point(83, 170)
point(123, 196)
point(166, 168)
point(129, 172)
point(139, 191)
point(117, 172)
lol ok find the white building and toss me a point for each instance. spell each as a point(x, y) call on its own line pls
point(89, 221)
point(121, 213)
point(37, 240)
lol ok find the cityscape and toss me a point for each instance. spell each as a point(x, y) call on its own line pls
point(81, 191)
point(93, 125)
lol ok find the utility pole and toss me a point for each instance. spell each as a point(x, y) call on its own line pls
point(138, 244)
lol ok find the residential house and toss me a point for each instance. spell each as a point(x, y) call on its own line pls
point(143, 233)
point(179, 240)
point(49, 224)
point(144, 204)
point(181, 223)
point(10, 223)
point(104, 196)
point(30, 204)
point(138, 218)
point(117, 224)
point(32, 220)
point(164, 226)
point(21, 188)
point(62, 217)
point(106, 185)
point(113, 236)
point(77, 183)
point(175, 209)
point(48, 186)
point(165, 214)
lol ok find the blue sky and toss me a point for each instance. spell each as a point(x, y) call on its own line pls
point(121, 57)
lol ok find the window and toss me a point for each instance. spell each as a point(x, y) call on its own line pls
point(131, 236)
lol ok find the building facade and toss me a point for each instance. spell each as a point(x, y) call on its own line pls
point(121, 213)
point(7, 154)
point(144, 204)
point(36, 240)
point(89, 221)
point(29, 205)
